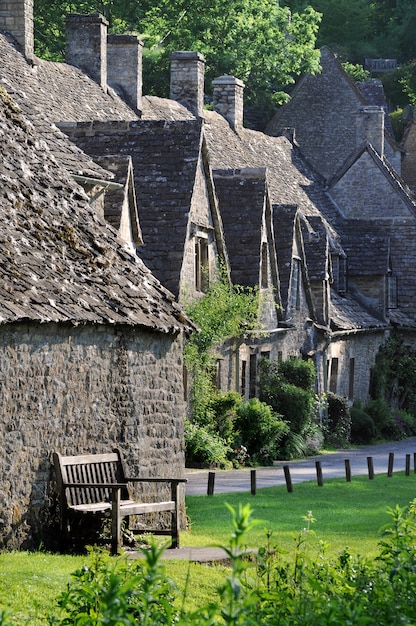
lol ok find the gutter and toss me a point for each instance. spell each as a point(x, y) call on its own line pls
point(105, 184)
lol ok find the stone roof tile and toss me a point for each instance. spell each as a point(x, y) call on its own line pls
point(59, 261)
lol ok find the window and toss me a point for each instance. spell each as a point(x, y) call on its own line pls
point(351, 380)
point(253, 376)
point(201, 264)
point(294, 298)
point(264, 266)
point(333, 377)
point(391, 291)
point(342, 275)
point(243, 378)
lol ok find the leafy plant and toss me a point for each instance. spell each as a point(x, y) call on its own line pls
point(203, 447)
point(363, 429)
point(337, 428)
point(118, 591)
point(260, 430)
point(225, 311)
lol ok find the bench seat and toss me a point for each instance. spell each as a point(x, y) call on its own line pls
point(96, 484)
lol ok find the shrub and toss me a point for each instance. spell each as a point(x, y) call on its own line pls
point(291, 401)
point(298, 372)
point(221, 413)
point(203, 447)
point(338, 425)
point(363, 429)
point(260, 430)
point(313, 438)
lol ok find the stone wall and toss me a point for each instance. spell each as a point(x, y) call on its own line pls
point(82, 389)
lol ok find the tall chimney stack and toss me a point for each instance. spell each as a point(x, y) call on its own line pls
point(124, 68)
point(229, 99)
point(16, 18)
point(370, 127)
point(86, 45)
point(187, 72)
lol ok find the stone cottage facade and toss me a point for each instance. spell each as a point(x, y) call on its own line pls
point(91, 342)
point(151, 192)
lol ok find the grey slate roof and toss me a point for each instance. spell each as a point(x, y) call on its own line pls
point(52, 92)
point(165, 157)
point(242, 197)
point(59, 261)
point(347, 314)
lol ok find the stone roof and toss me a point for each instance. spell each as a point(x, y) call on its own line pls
point(60, 262)
point(165, 156)
point(242, 196)
point(322, 111)
point(348, 314)
point(49, 93)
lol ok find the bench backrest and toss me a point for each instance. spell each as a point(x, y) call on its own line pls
point(92, 469)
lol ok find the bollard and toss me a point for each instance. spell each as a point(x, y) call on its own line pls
point(414, 462)
point(347, 470)
point(390, 465)
point(253, 482)
point(211, 482)
point(319, 473)
point(407, 465)
point(370, 467)
point(288, 478)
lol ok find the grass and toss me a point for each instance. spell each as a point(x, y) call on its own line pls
point(347, 514)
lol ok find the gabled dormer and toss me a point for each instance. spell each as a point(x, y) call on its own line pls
point(295, 286)
point(245, 208)
point(367, 188)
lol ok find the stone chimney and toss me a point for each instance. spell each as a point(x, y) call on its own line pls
point(370, 127)
point(187, 71)
point(229, 99)
point(86, 45)
point(124, 68)
point(16, 18)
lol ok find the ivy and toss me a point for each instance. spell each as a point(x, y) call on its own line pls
point(224, 312)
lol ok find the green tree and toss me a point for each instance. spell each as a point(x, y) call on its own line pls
point(258, 41)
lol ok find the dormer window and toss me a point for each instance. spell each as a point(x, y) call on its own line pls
point(201, 264)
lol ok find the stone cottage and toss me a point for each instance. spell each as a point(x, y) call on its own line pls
point(91, 342)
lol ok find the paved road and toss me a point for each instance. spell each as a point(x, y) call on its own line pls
point(333, 466)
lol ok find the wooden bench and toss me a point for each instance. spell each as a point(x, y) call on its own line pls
point(96, 484)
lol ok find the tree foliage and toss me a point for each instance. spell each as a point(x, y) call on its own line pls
point(258, 41)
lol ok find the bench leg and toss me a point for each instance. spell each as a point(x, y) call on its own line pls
point(115, 521)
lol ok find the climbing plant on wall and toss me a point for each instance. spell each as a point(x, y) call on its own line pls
point(225, 311)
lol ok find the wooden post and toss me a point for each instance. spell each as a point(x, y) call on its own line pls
point(115, 520)
point(319, 473)
point(414, 462)
point(390, 465)
point(370, 467)
point(253, 482)
point(407, 465)
point(347, 470)
point(211, 482)
point(288, 478)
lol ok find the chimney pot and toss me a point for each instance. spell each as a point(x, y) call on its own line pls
point(16, 18)
point(229, 99)
point(124, 68)
point(187, 80)
point(86, 45)
point(370, 127)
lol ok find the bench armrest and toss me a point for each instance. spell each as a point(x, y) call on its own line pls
point(156, 480)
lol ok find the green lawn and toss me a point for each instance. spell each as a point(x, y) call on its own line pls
point(347, 514)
